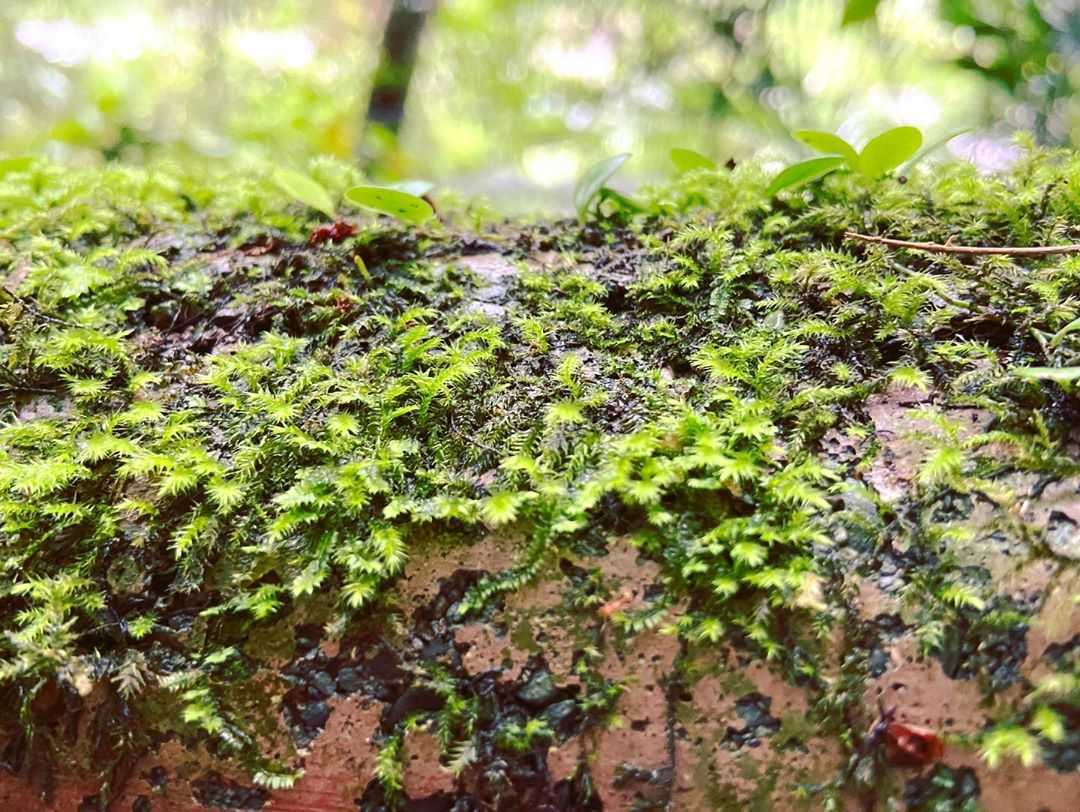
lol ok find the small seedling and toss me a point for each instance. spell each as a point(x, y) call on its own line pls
point(882, 154)
point(933, 147)
point(687, 159)
point(306, 190)
point(395, 202)
point(594, 180)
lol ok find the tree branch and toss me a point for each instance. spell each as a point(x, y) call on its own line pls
point(970, 250)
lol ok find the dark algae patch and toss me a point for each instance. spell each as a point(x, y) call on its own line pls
point(659, 510)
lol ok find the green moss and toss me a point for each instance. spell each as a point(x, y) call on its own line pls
point(195, 397)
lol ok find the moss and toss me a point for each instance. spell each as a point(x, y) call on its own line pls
point(794, 729)
point(196, 397)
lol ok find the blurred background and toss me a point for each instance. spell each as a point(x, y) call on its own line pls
point(512, 98)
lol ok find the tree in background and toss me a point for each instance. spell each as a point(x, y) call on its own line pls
point(390, 86)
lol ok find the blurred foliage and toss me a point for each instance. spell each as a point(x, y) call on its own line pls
point(510, 88)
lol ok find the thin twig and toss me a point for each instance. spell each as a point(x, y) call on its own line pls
point(971, 250)
point(34, 308)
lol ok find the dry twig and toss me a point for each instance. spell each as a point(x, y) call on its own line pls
point(970, 250)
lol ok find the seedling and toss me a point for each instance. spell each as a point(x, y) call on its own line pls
point(306, 190)
point(687, 159)
point(395, 202)
point(594, 180)
point(882, 154)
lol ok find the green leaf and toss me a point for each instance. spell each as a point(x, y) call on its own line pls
point(930, 148)
point(804, 172)
point(1059, 336)
point(343, 424)
point(830, 144)
point(396, 203)
point(307, 191)
point(857, 11)
point(687, 159)
point(888, 150)
point(622, 201)
point(1058, 374)
point(594, 179)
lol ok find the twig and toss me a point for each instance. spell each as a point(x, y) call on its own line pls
point(970, 250)
point(34, 308)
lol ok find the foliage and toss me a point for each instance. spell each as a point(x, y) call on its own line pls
point(594, 179)
point(306, 190)
point(881, 154)
point(395, 202)
point(686, 160)
point(560, 79)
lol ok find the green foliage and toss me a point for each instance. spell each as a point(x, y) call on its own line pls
point(830, 144)
point(277, 779)
point(857, 11)
point(672, 388)
point(594, 179)
point(1056, 374)
point(686, 160)
point(881, 154)
point(517, 737)
point(1009, 741)
point(307, 191)
point(804, 172)
point(395, 202)
point(885, 152)
point(389, 769)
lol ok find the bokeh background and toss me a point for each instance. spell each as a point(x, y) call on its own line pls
point(512, 98)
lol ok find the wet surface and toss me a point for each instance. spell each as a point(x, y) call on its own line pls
point(575, 690)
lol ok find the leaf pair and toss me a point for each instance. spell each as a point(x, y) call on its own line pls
point(882, 154)
point(398, 203)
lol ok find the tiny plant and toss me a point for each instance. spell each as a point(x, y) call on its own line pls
point(594, 181)
point(308, 191)
point(686, 160)
point(882, 154)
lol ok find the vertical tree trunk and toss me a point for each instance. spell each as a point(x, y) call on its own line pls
point(401, 38)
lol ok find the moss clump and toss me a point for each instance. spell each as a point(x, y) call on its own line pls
point(254, 423)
